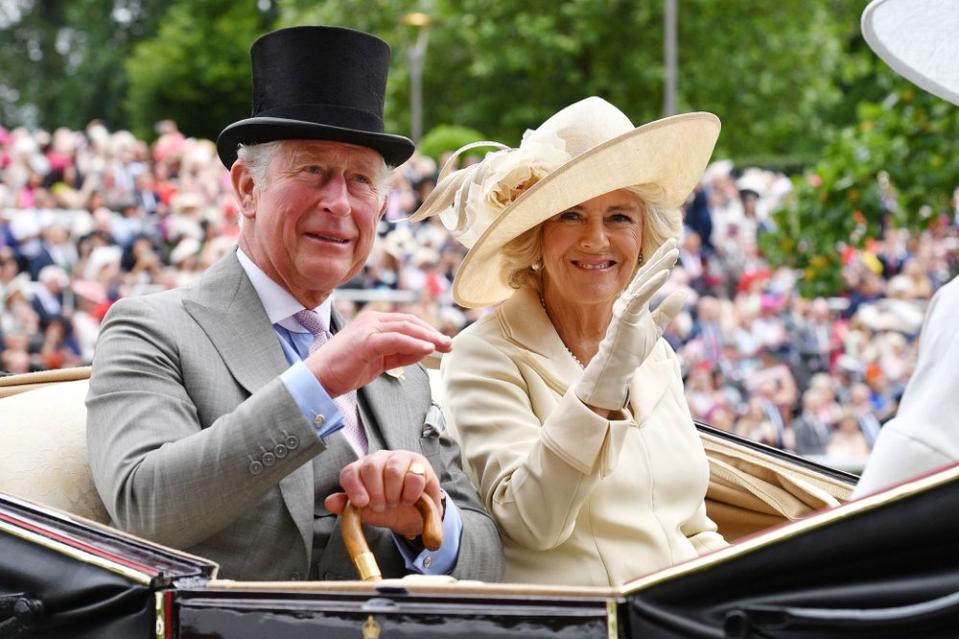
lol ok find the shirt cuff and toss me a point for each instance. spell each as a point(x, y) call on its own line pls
point(436, 562)
point(315, 403)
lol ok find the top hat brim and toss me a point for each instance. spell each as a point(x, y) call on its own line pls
point(395, 149)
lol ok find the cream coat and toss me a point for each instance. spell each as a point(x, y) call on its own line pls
point(579, 499)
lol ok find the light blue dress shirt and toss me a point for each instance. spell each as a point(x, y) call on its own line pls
point(313, 400)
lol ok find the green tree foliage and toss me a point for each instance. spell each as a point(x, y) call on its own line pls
point(771, 71)
point(775, 73)
point(196, 71)
point(447, 137)
point(897, 165)
point(61, 60)
point(793, 82)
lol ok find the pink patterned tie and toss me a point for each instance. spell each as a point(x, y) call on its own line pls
point(352, 428)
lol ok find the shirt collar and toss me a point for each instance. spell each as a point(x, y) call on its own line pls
point(277, 301)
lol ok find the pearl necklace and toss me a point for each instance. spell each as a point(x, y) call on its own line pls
point(571, 353)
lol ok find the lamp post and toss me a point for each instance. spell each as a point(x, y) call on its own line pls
point(669, 53)
point(417, 53)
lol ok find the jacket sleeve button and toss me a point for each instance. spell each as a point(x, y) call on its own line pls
point(292, 442)
point(268, 459)
point(281, 451)
point(255, 467)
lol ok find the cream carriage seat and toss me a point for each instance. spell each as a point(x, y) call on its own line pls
point(43, 444)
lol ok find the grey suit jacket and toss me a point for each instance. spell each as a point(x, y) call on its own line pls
point(195, 442)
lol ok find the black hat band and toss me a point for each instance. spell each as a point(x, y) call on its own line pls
point(329, 114)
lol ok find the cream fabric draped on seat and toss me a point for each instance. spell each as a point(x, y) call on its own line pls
point(43, 449)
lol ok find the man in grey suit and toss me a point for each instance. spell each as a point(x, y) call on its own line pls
point(234, 418)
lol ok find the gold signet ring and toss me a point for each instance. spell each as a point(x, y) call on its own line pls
point(417, 468)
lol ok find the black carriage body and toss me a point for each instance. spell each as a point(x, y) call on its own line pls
point(82, 580)
point(90, 581)
point(883, 566)
point(390, 612)
point(886, 565)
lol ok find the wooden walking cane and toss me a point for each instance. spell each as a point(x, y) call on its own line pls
point(359, 550)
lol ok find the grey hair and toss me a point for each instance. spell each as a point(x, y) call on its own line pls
point(523, 255)
point(259, 156)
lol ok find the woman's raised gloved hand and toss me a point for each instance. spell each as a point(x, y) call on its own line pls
point(633, 332)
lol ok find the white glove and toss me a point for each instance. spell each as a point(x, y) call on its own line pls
point(633, 332)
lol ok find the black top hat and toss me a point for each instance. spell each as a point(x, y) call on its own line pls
point(317, 83)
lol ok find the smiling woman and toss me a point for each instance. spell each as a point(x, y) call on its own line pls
point(568, 404)
point(590, 253)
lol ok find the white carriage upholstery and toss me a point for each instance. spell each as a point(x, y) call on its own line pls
point(43, 447)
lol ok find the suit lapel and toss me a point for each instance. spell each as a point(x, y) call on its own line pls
point(385, 407)
point(227, 308)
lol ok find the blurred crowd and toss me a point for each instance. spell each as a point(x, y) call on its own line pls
point(88, 217)
point(818, 377)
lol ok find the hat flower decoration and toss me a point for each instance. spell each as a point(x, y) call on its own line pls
point(485, 189)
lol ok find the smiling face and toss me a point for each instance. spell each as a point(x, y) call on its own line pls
point(310, 225)
point(591, 250)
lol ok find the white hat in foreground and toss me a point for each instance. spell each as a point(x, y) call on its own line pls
point(919, 39)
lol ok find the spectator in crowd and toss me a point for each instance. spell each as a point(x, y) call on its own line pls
point(860, 405)
point(754, 423)
point(48, 299)
point(814, 337)
point(699, 219)
point(811, 432)
point(692, 259)
point(708, 330)
point(847, 441)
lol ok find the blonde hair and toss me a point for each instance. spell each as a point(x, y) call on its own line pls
point(659, 221)
point(521, 255)
point(524, 253)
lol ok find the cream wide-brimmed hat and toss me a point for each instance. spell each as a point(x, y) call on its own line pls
point(918, 39)
point(587, 149)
